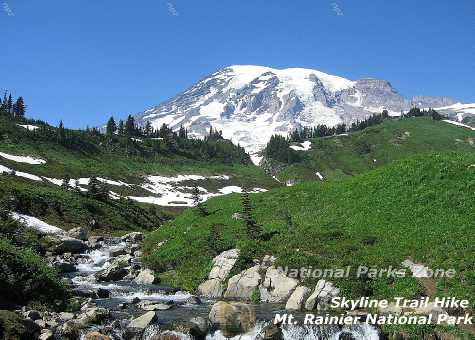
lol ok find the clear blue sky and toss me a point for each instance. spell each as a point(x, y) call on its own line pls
point(83, 60)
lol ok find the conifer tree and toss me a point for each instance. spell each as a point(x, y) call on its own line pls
point(61, 133)
point(130, 128)
point(9, 106)
point(254, 231)
point(121, 128)
point(19, 108)
point(198, 202)
point(148, 129)
point(111, 126)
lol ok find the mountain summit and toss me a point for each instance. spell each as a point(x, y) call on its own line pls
point(250, 103)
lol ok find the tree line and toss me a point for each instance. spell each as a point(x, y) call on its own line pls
point(16, 109)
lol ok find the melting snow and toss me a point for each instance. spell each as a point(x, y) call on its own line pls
point(305, 146)
point(319, 175)
point(36, 224)
point(28, 127)
point(23, 159)
point(459, 124)
point(4, 169)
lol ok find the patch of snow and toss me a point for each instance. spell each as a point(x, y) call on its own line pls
point(137, 140)
point(305, 146)
point(23, 159)
point(319, 175)
point(459, 124)
point(55, 181)
point(4, 169)
point(28, 127)
point(111, 182)
point(212, 110)
point(36, 224)
point(459, 107)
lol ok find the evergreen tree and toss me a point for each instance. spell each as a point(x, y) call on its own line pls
point(97, 190)
point(213, 241)
point(19, 108)
point(65, 184)
point(198, 202)
point(254, 231)
point(111, 127)
point(61, 132)
point(148, 129)
point(121, 128)
point(130, 128)
point(9, 106)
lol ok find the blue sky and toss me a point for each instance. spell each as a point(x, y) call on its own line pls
point(84, 60)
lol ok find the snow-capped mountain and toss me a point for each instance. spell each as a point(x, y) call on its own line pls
point(250, 103)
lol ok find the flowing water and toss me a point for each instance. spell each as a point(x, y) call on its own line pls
point(125, 291)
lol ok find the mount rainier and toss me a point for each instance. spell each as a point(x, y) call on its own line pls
point(251, 103)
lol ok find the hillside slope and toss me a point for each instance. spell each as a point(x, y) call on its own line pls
point(349, 154)
point(420, 208)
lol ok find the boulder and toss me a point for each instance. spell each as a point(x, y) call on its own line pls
point(118, 251)
point(323, 293)
point(96, 314)
point(133, 237)
point(201, 323)
point(65, 316)
point(222, 265)
point(277, 287)
point(138, 325)
point(32, 314)
point(232, 318)
point(80, 233)
point(58, 244)
point(31, 329)
point(64, 267)
point(244, 284)
point(116, 270)
point(95, 336)
point(297, 299)
point(271, 332)
point(46, 334)
point(146, 276)
point(153, 305)
point(103, 293)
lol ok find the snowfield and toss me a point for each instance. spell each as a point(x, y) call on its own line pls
point(305, 146)
point(36, 224)
point(29, 127)
point(23, 159)
point(459, 124)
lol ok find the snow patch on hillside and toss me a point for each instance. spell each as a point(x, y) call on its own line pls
point(305, 146)
point(459, 124)
point(4, 169)
point(23, 159)
point(28, 127)
point(36, 224)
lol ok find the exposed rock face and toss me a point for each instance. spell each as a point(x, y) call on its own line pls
point(323, 293)
point(232, 318)
point(297, 298)
point(222, 265)
point(146, 276)
point(133, 237)
point(276, 287)
point(242, 285)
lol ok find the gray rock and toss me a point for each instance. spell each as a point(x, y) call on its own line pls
point(232, 318)
point(323, 293)
point(116, 270)
point(146, 276)
point(61, 244)
point(277, 287)
point(33, 315)
point(154, 306)
point(64, 267)
point(46, 334)
point(65, 316)
point(244, 284)
point(133, 237)
point(222, 266)
point(297, 299)
point(80, 233)
point(142, 322)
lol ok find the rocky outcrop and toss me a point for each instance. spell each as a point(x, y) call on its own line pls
point(276, 287)
point(80, 233)
point(117, 270)
point(59, 244)
point(244, 284)
point(146, 276)
point(133, 237)
point(232, 318)
point(323, 293)
point(297, 299)
point(222, 265)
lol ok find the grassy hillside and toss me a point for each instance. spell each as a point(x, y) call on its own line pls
point(421, 208)
point(340, 156)
point(118, 158)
